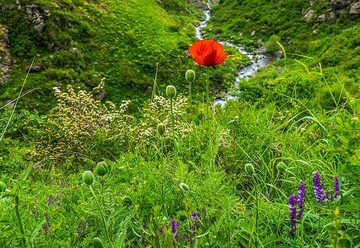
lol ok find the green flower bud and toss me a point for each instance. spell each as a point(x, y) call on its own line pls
point(100, 169)
point(281, 166)
point(171, 91)
point(88, 177)
point(2, 186)
point(249, 168)
point(190, 76)
point(161, 128)
point(97, 242)
point(184, 186)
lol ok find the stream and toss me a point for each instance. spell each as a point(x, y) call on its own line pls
point(258, 58)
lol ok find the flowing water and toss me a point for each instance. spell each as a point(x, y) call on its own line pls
point(258, 58)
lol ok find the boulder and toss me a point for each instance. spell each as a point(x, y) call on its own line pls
point(321, 18)
point(355, 10)
point(199, 4)
point(37, 16)
point(340, 4)
point(309, 15)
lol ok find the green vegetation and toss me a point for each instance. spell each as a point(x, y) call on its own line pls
point(161, 167)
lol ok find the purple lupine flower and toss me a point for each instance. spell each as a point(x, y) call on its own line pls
point(194, 215)
point(318, 189)
point(292, 209)
point(301, 198)
point(161, 231)
point(327, 196)
point(174, 226)
point(336, 188)
point(187, 237)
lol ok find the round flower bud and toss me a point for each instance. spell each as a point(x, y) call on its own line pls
point(190, 76)
point(2, 186)
point(249, 168)
point(100, 169)
point(184, 186)
point(281, 166)
point(161, 128)
point(97, 242)
point(171, 91)
point(88, 177)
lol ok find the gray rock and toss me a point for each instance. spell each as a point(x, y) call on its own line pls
point(37, 16)
point(199, 4)
point(355, 10)
point(340, 4)
point(309, 15)
point(321, 18)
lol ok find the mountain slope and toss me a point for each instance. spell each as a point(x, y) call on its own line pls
point(80, 42)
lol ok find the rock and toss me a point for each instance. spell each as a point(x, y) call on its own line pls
point(355, 10)
point(340, 4)
point(5, 61)
point(321, 18)
point(36, 68)
point(37, 16)
point(309, 15)
point(199, 4)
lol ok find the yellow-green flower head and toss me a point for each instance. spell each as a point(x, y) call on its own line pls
point(249, 168)
point(171, 91)
point(190, 76)
point(100, 169)
point(281, 166)
point(88, 177)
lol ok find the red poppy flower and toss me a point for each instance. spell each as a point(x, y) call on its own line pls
point(208, 52)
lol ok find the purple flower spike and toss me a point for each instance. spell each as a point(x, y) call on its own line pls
point(292, 209)
point(161, 231)
point(336, 188)
point(174, 226)
point(301, 198)
point(193, 215)
point(318, 189)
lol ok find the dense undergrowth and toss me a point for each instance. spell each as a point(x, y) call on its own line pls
point(176, 172)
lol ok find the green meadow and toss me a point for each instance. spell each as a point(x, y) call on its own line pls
point(109, 136)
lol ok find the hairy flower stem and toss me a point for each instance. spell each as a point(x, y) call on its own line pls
point(101, 213)
point(23, 240)
point(172, 116)
point(155, 83)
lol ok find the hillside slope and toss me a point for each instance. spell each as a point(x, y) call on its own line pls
point(79, 42)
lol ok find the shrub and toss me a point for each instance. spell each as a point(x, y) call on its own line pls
point(78, 123)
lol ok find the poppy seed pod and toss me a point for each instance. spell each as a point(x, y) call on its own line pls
point(88, 177)
point(184, 186)
point(2, 186)
point(281, 166)
point(249, 168)
point(97, 242)
point(100, 169)
point(161, 128)
point(171, 91)
point(190, 76)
